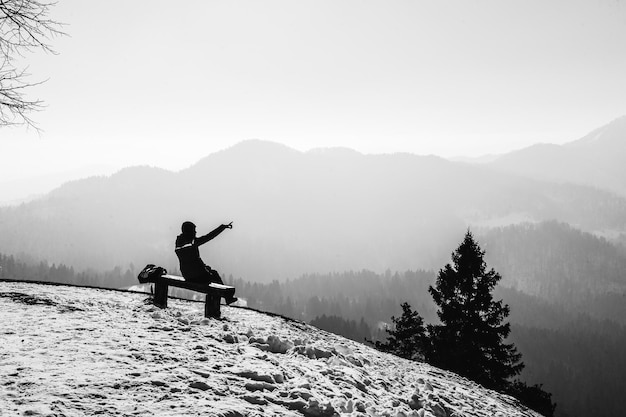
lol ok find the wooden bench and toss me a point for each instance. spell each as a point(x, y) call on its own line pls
point(214, 292)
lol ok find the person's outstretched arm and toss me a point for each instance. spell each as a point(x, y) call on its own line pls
point(212, 234)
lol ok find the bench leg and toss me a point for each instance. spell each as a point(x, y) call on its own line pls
point(212, 306)
point(160, 294)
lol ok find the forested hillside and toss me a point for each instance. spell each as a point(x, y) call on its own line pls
point(560, 264)
point(581, 363)
point(30, 270)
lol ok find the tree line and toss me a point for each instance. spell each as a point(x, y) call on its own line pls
point(577, 270)
point(29, 270)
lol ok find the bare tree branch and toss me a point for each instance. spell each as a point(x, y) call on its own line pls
point(24, 27)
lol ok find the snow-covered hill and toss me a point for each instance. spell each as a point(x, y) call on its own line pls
point(68, 351)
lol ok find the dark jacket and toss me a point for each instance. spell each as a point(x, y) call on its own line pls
point(187, 250)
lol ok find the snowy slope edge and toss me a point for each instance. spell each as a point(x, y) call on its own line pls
point(77, 351)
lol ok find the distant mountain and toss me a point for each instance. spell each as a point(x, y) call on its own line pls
point(293, 212)
point(596, 160)
point(17, 191)
point(483, 159)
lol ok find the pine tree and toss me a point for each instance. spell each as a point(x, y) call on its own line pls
point(470, 338)
point(407, 338)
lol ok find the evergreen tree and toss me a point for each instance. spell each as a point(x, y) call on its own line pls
point(407, 338)
point(470, 338)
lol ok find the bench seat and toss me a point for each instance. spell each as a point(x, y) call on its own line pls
point(214, 292)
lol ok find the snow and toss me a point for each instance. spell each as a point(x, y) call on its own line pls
point(70, 351)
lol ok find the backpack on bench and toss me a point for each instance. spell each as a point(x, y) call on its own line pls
point(150, 273)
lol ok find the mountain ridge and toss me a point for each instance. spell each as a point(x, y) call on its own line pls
point(293, 212)
point(595, 160)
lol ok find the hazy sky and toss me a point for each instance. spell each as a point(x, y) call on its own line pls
point(166, 83)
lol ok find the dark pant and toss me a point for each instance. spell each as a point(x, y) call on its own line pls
point(205, 275)
point(213, 276)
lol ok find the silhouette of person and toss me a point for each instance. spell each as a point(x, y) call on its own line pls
point(191, 265)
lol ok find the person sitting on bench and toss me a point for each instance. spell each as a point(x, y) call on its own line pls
point(187, 250)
